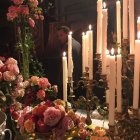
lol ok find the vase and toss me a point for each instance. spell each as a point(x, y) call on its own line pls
point(24, 48)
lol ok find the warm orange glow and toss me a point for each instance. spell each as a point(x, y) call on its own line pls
point(107, 52)
point(83, 33)
point(119, 51)
point(138, 35)
point(104, 5)
point(112, 51)
point(70, 33)
point(64, 54)
point(90, 27)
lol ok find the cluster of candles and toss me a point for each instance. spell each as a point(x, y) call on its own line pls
point(114, 61)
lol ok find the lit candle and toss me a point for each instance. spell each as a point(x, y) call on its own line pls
point(90, 52)
point(104, 38)
point(119, 82)
point(99, 26)
point(65, 76)
point(131, 26)
point(136, 73)
point(112, 83)
point(125, 19)
point(86, 49)
point(83, 51)
point(70, 60)
point(138, 24)
point(118, 12)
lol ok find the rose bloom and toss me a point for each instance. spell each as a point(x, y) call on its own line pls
point(52, 116)
point(35, 80)
point(41, 94)
point(24, 9)
point(19, 78)
point(67, 123)
point(1, 64)
point(11, 61)
point(34, 3)
point(13, 68)
point(43, 83)
point(12, 13)
point(17, 2)
point(82, 133)
point(101, 132)
point(9, 76)
point(1, 77)
point(31, 22)
point(29, 126)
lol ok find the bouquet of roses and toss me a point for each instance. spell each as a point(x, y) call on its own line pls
point(10, 80)
point(38, 89)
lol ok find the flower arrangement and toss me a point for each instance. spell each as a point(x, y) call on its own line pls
point(38, 89)
point(10, 78)
point(50, 120)
point(24, 13)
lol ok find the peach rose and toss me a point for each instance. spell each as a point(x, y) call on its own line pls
point(17, 2)
point(41, 94)
point(43, 83)
point(11, 61)
point(9, 76)
point(35, 80)
point(29, 126)
point(13, 68)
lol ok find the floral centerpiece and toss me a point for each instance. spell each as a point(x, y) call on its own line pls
point(24, 13)
point(49, 120)
point(10, 78)
point(38, 89)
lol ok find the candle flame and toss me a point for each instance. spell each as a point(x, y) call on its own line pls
point(112, 51)
point(104, 5)
point(138, 35)
point(139, 18)
point(83, 33)
point(107, 52)
point(64, 54)
point(119, 51)
point(90, 27)
point(70, 33)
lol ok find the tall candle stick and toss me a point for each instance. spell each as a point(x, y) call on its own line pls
point(125, 19)
point(136, 73)
point(138, 24)
point(131, 26)
point(99, 26)
point(90, 52)
point(119, 82)
point(118, 12)
point(65, 76)
point(112, 89)
point(70, 61)
point(83, 51)
point(104, 38)
point(86, 49)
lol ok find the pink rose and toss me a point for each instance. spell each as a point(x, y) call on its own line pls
point(43, 83)
point(62, 109)
point(29, 126)
point(41, 94)
point(19, 78)
point(52, 116)
point(67, 123)
point(1, 64)
point(12, 13)
point(35, 80)
point(82, 133)
point(17, 2)
point(9, 76)
point(34, 3)
point(24, 9)
point(13, 68)
point(31, 22)
point(1, 77)
point(11, 61)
